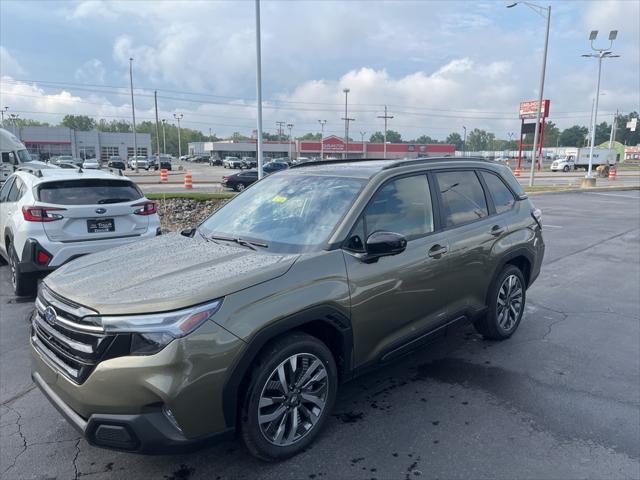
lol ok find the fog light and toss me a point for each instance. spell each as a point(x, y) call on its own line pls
point(43, 257)
point(169, 414)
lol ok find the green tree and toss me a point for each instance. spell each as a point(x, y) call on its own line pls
point(377, 137)
point(625, 135)
point(121, 126)
point(454, 138)
point(81, 123)
point(392, 137)
point(424, 139)
point(310, 136)
point(573, 136)
point(27, 122)
point(271, 137)
point(603, 133)
point(478, 140)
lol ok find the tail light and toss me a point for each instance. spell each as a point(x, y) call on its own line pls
point(225, 178)
point(41, 214)
point(536, 213)
point(145, 208)
point(42, 257)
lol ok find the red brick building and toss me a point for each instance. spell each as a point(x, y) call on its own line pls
point(335, 147)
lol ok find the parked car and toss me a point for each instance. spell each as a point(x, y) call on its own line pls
point(232, 162)
point(13, 154)
point(53, 215)
point(91, 163)
point(66, 164)
point(309, 278)
point(138, 162)
point(165, 162)
point(242, 180)
point(116, 162)
point(215, 161)
point(62, 158)
point(249, 162)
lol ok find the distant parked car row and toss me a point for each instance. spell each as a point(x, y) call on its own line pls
point(242, 180)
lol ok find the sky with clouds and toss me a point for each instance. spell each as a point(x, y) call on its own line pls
point(438, 65)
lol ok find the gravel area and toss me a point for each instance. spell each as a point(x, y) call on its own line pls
point(179, 213)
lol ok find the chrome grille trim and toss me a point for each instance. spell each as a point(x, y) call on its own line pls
point(77, 346)
point(80, 327)
point(54, 360)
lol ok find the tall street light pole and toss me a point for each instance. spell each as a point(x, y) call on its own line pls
point(2, 110)
point(259, 91)
point(322, 124)
point(155, 99)
point(290, 126)
point(178, 117)
point(536, 135)
point(164, 137)
point(364, 153)
point(346, 122)
point(464, 142)
point(601, 53)
point(133, 114)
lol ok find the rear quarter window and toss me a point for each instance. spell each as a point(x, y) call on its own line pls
point(503, 199)
point(88, 192)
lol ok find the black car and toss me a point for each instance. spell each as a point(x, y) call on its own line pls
point(165, 164)
point(249, 162)
point(240, 181)
point(119, 164)
point(200, 159)
point(215, 161)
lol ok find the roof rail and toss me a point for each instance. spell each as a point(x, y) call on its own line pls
point(337, 161)
point(412, 161)
point(33, 171)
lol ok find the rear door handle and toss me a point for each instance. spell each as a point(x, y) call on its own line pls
point(437, 250)
point(497, 230)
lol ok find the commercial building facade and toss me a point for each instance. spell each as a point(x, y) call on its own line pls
point(47, 142)
point(330, 147)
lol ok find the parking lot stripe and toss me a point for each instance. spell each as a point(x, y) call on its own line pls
point(613, 195)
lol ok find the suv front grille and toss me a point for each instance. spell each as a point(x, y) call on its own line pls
point(71, 345)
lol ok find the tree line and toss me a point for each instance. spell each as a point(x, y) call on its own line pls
point(477, 139)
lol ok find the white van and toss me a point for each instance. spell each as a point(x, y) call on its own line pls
point(13, 153)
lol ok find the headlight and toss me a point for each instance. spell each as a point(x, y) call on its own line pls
point(154, 331)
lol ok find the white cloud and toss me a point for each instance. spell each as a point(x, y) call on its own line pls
point(91, 71)
point(9, 65)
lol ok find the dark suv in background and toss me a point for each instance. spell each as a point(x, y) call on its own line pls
point(308, 278)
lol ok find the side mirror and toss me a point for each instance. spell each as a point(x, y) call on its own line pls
point(384, 244)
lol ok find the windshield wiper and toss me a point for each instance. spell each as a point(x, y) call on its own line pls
point(240, 241)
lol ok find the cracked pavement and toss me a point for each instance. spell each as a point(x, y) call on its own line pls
point(560, 399)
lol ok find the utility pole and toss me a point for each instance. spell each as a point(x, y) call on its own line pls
point(164, 137)
point(133, 114)
point(346, 122)
point(290, 126)
point(386, 117)
point(178, 117)
point(322, 124)
point(14, 120)
point(464, 142)
point(364, 152)
point(259, 146)
point(2, 110)
point(280, 128)
point(155, 99)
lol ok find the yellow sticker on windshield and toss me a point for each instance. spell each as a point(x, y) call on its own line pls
point(279, 199)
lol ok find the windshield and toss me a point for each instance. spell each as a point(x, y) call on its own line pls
point(23, 156)
point(291, 213)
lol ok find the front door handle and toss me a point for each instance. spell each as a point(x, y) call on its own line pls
point(437, 251)
point(497, 230)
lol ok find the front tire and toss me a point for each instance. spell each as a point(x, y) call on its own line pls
point(507, 297)
point(238, 187)
point(566, 168)
point(289, 397)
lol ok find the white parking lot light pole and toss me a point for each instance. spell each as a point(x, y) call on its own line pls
point(464, 142)
point(259, 91)
point(290, 126)
point(2, 110)
point(133, 114)
point(601, 53)
point(322, 124)
point(178, 117)
point(164, 137)
point(536, 135)
point(364, 153)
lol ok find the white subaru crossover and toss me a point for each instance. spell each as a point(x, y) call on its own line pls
point(50, 216)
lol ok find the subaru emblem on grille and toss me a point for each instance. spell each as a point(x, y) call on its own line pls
point(101, 210)
point(50, 315)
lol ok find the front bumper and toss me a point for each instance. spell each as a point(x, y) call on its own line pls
point(123, 403)
point(150, 433)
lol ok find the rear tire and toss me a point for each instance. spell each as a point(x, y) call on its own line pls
point(278, 421)
point(24, 284)
point(238, 187)
point(507, 297)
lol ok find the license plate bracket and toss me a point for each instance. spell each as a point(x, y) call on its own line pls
point(101, 225)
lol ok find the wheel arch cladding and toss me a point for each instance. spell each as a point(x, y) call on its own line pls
point(323, 322)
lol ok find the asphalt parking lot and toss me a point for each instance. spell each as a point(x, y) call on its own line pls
point(560, 399)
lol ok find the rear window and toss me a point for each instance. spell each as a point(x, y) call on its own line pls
point(88, 192)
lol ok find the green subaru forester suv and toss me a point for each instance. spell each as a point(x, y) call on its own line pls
point(248, 323)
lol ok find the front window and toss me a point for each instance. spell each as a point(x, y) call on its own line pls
point(24, 156)
point(291, 213)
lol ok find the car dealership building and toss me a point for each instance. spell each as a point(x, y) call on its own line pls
point(47, 142)
point(331, 147)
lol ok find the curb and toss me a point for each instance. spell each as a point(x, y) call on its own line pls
point(583, 190)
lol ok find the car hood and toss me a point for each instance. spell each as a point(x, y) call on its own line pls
point(165, 273)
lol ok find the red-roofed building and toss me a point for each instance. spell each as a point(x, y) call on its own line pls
point(335, 147)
